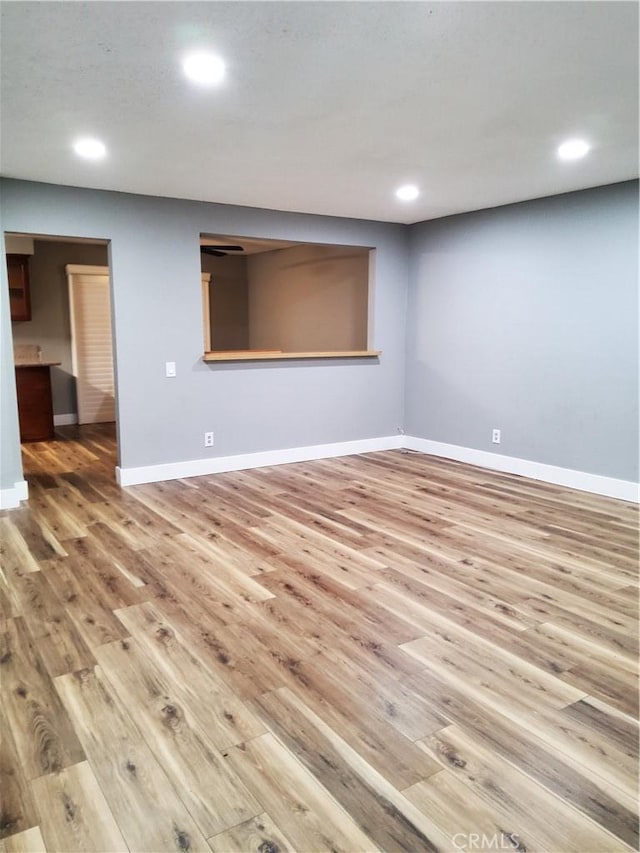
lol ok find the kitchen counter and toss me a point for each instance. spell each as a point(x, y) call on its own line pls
point(35, 403)
point(37, 363)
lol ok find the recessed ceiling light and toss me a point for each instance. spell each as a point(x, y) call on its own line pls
point(407, 193)
point(207, 69)
point(90, 149)
point(573, 149)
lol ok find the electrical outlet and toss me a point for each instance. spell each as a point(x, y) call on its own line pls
point(170, 369)
point(495, 437)
point(208, 439)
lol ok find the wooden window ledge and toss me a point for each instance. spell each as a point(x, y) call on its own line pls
point(275, 355)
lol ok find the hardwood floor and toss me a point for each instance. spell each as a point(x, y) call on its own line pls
point(380, 652)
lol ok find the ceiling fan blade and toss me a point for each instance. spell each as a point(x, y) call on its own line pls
point(223, 248)
point(209, 250)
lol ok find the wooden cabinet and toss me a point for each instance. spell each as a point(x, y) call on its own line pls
point(35, 406)
point(19, 293)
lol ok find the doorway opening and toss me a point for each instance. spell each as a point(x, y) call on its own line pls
point(60, 299)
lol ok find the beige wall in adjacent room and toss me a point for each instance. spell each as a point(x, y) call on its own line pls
point(50, 325)
point(228, 301)
point(309, 298)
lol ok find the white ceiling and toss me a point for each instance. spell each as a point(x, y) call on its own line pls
point(327, 107)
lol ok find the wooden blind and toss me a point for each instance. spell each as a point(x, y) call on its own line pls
point(93, 350)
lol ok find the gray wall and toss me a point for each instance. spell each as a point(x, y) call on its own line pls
point(525, 318)
point(228, 301)
point(10, 459)
point(309, 298)
point(50, 325)
point(155, 269)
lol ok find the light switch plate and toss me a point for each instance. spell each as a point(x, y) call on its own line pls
point(170, 369)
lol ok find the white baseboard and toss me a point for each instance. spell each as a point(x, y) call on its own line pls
point(10, 498)
point(608, 486)
point(65, 420)
point(581, 480)
point(220, 464)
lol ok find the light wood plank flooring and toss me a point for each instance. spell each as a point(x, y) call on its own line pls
point(380, 652)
